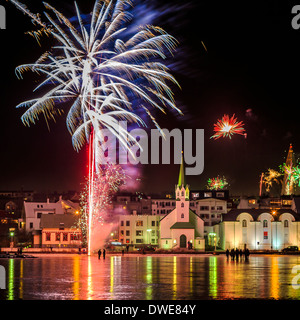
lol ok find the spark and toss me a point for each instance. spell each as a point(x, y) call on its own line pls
point(216, 183)
point(226, 127)
point(269, 177)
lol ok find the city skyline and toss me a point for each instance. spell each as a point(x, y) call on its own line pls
point(219, 71)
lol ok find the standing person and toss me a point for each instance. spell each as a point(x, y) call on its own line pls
point(232, 254)
point(247, 253)
point(104, 251)
point(241, 254)
point(127, 248)
point(237, 252)
point(227, 254)
point(99, 253)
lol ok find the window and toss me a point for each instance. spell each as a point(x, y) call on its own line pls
point(139, 223)
point(265, 235)
point(31, 225)
point(38, 215)
point(38, 205)
point(139, 240)
point(286, 223)
point(122, 223)
point(207, 194)
point(127, 223)
point(75, 236)
point(61, 226)
point(57, 236)
point(219, 208)
point(182, 205)
point(204, 208)
point(127, 233)
point(220, 194)
point(48, 235)
point(244, 223)
point(65, 236)
point(122, 232)
point(182, 215)
point(182, 193)
point(139, 233)
point(153, 223)
point(265, 224)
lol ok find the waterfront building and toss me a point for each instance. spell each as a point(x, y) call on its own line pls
point(59, 231)
point(182, 227)
point(259, 229)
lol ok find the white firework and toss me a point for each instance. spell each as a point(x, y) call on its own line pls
point(99, 72)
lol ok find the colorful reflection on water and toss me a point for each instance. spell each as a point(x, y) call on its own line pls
point(156, 277)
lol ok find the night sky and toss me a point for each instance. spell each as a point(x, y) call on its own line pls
point(252, 63)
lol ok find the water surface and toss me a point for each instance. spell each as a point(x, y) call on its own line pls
point(146, 277)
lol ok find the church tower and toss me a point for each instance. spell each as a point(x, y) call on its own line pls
point(288, 179)
point(182, 195)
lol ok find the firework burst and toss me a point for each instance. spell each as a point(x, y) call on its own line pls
point(99, 74)
point(269, 177)
point(216, 183)
point(227, 127)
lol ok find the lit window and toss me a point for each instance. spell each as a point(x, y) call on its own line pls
point(265, 224)
point(244, 223)
point(286, 223)
point(139, 223)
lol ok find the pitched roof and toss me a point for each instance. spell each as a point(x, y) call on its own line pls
point(182, 225)
point(55, 220)
point(255, 213)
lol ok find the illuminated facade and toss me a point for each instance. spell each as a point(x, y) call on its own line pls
point(259, 229)
point(182, 227)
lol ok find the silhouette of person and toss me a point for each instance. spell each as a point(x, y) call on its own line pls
point(99, 253)
point(104, 251)
point(227, 254)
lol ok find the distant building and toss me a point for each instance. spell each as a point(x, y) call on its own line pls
point(138, 230)
point(58, 231)
point(259, 229)
point(33, 212)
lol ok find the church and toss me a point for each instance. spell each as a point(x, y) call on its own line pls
point(182, 227)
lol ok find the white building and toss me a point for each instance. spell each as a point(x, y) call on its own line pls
point(34, 211)
point(139, 229)
point(182, 227)
point(259, 229)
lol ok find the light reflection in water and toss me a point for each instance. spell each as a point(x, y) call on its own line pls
point(149, 277)
point(213, 289)
point(11, 272)
point(76, 277)
point(174, 277)
point(274, 278)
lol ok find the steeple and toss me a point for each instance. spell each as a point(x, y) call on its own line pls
point(182, 191)
point(181, 173)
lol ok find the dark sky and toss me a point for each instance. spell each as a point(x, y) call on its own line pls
point(251, 62)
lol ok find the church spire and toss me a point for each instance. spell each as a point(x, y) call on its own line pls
point(181, 172)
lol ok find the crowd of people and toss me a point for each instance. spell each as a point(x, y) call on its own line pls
point(238, 254)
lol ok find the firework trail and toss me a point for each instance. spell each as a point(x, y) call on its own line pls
point(227, 127)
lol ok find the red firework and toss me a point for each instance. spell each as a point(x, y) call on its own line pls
point(226, 127)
